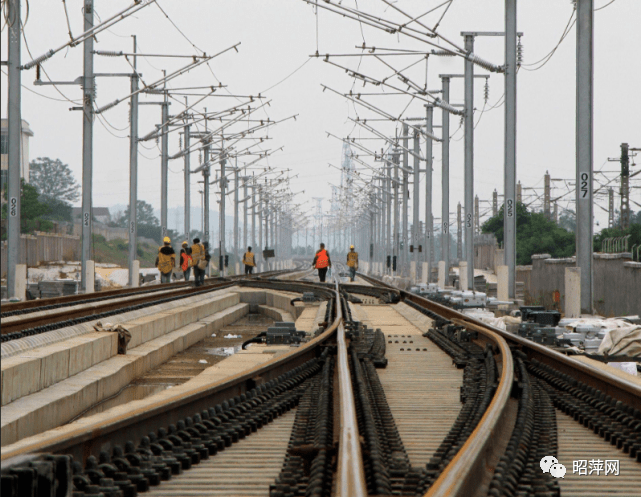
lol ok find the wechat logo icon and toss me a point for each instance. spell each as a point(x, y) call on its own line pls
point(550, 464)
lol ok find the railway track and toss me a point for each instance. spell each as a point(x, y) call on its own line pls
point(396, 396)
point(34, 317)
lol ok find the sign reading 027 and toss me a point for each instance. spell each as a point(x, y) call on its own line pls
point(585, 179)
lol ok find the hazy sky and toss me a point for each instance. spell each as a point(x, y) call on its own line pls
point(277, 38)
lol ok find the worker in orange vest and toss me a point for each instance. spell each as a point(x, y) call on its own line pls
point(322, 262)
point(185, 260)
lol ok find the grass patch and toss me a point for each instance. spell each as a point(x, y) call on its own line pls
point(117, 252)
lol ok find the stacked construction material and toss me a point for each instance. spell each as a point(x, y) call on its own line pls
point(57, 288)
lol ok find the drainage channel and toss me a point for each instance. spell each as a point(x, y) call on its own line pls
point(187, 364)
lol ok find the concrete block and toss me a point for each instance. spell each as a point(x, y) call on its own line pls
point(413, 271)
point(22, 376)
point(21, 281)
point(502, 287)
point(572, 292)
point(81, 354)
point(135, 279)
point(54, 365)
point(183, 316)
point(190, 334)
point(7, 385)
point(425, 273)
point(441, 274)
point(9, 432)
point(237, 268)
point(462, 275)
point(30, 421)
point(90, 275)
point(82, 394)
point(252, 297)
point(143, 359)
point(142, 330)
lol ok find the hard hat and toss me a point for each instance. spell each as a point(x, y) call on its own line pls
point(166, 240)
point(185, 243)
point(351, 246)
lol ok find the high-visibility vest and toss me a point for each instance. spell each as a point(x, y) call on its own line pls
point(248, 259)
point(186, 262)
point(322, 259)
point(352, 259)
point(197, 253)
point(165, 262)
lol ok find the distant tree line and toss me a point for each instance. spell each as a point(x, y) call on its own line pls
point(536, 234)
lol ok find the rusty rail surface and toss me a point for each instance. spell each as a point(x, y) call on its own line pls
point(478, 448)
point(123, 292)
point(82, 297)
point(57, 315)
point(350, 476)
point(614, 386)
point(60, 315)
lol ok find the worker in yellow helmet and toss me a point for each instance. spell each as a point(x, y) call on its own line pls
point(248, 260)
point(352, 262)
point(166, 260)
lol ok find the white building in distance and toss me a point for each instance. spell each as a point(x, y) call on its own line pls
point(24, 150)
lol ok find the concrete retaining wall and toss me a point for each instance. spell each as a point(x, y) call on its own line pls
point(43, 247)
point(616, 280)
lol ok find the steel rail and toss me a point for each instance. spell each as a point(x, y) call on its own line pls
point(80, 298)
point(614, 386)
point(86, 437)
point(62, 315)
point(35, 305)
point(350, 476)
point(475, 461)
point(450, 483)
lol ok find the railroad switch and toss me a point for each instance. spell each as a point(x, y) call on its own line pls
point(309, 297)
point(284, 333)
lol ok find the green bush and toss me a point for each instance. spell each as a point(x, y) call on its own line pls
point(535, 234)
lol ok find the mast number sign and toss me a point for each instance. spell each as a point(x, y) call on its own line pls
point(585, 178)
point(13, 209)
point(510, 207)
